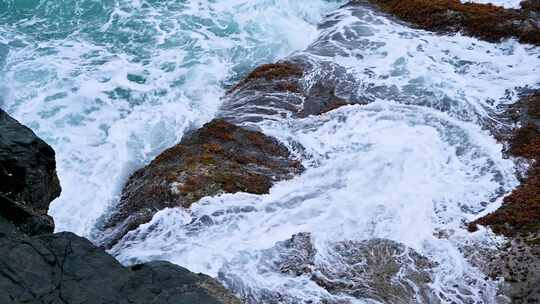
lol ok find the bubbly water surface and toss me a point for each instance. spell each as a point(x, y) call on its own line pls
point(112, 83)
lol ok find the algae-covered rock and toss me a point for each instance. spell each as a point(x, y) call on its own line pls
point(518, 263)
point(217, 158)
point(483, 21)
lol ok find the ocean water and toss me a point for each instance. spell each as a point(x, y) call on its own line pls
point(110, 84)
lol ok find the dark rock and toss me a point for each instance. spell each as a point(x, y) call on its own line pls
point(28, 220)
point(28, 175)
point(483, 21)
point(217, 158)
point(531, 5)
point(65, 268)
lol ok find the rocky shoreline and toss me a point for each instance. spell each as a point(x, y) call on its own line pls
point(276, 91)
point(229, 155)
point(38, 266)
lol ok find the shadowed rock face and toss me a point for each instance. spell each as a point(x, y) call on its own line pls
point(483, 21)
point(217, 158)
point(28, 175)
point(65, 268)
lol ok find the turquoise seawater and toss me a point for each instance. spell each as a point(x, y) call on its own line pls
point(109, 84)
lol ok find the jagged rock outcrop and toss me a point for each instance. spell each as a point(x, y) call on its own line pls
point(218, 158)
point(228, 155)
point(519, 216)
point(484, 21)
point(65, 268)
point(28, 175)
point(38, 267)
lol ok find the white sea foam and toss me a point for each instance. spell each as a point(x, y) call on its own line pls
point(503, 3)
point(111, 95)
point(411, 164)
point(383, 171)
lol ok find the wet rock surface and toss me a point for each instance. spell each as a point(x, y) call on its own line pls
point(64, 268)
point(518, 262)
point(377, 269)
point(217, 158)
point(520, 212)
point(28, 175)
point(483, 21)
point(275, 91)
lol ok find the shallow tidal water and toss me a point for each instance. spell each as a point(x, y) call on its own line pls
point(111, 84)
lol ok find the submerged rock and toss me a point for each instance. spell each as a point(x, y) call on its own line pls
point(28, 175)
point(483, 21)
point(217, 158)
point(278, 90)
point(377, 269)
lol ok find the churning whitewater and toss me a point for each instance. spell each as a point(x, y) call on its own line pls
point(110, 84)
point(116, 83)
